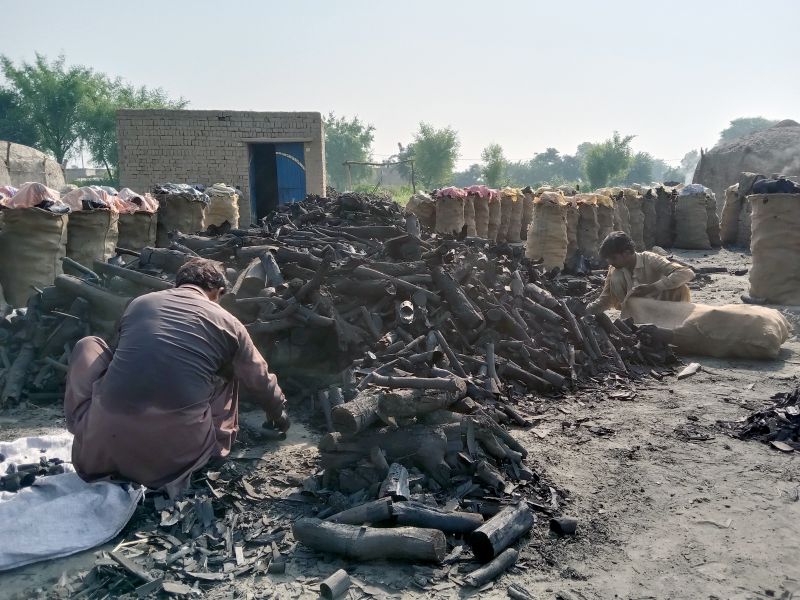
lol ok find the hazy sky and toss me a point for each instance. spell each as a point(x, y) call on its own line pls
point(526, 75)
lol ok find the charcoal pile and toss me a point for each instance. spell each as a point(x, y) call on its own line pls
point(418, 350)
point(777, 425)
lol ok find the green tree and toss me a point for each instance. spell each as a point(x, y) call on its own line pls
point(742, 127)
point(347, 139)
point(673, 174)
point(53, 97)
point(494, 165)
point(641, 169)
point(434, 152)
point(98, 124)
point(471, 176)
point(608, 160)
point(15, 125)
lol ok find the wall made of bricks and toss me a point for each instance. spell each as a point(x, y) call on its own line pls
point(210, 146)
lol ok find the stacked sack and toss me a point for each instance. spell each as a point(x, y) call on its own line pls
point(650, 218)
point(511, 208)
point(223, 205)
point(424, 207)
point(450, 210)
point(547, 234)
point(138, 220)
point(633, 202)
point(665, 201)
point(691, 218)
point(527, 211)
point(605, 215)
point(495, 215)
point(775, 243)
point(478, 196)
point(735, 226)
point(93, 228)
point(33, 240)
point(588, 225)
point(181, 207)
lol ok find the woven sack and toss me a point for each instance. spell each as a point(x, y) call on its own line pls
point(495, 214)
point(527, 213)
point(92, 235)
point(690, 222)
point(480, 206)
point(775, 274)
point(469, 216)
point(449, 215)
point(137, 230)
point(712, 222)
point(547, 234)
point(588, 229)
point(178, 212)
point(729, 223)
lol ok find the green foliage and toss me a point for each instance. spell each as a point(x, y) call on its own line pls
point(608, 160)
point(742, 127)
point(98, 125)
point(641, 169)
point(52, 96)
point(434, 152)
point(15, 124)
point(673, 174)
point(347, 139)
point(494, 165)
point(472, 176)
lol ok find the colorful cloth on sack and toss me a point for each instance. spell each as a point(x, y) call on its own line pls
point(451, 192)
point(481, 191)
point(128, 202)
point(514, 193)
point(33, 194)
point(89, 198)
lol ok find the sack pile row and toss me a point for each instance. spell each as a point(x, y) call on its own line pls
point(41, 226)
point(560, 224)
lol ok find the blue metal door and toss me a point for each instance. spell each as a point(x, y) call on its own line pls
point(290, 163)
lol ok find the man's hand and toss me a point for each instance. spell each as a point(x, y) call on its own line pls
point(647, 289)
point(282, 423)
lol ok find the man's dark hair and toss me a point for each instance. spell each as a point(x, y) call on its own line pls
point(616, 242)
point(203, 273)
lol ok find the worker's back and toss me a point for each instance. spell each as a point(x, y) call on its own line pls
point(171, 348)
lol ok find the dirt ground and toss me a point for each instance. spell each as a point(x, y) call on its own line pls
point(669, 506)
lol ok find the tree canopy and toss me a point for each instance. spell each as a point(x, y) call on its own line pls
point(50, 106)
point(494, 165)
point(434, 152)
point(608, 160)
point(347, 139)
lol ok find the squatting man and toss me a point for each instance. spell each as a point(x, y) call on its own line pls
point(638, 274)
point(165, 400)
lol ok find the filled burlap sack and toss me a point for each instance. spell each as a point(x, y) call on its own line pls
point(32, 244)
point(588, 242)
point(223, 205)
point(775, 274)
point(712, 221)
point(495, 215)
point(633, 203)
point(547, 234)
point(690, 222)
point(622, 220)
point(469, 216)
point(422, 205)
point(729, 223)
point(514, 227)
point(743, 238)
point(480, 206)
point(506, 208)
point(179, 212)
point(605, 216)
point(92, 235)
point(649, 212)
point(665, 217)
point(527, 212)
point(573, 218)
point(729, 331)
point(137, 230)
point(449, 215)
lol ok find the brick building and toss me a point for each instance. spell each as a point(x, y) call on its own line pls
point(272, 157)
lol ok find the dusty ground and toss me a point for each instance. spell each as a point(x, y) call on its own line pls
point(670, 507)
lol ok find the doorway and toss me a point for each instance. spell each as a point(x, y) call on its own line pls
point(277, 176)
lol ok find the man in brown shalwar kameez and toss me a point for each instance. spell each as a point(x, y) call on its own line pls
point(165, 401)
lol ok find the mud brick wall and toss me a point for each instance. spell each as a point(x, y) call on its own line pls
point(211, 146)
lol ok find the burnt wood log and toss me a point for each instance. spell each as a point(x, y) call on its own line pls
point(366, 289)
point(365, 272)
point(540, 311)
point(395, 485)
point(107, 304)
point(399, 269)
point(454, 362)
point(372, 231)
point(459, 304)
point(542, 296)
point(421, 515)
point(493, 569)
point(162, 258)
point(358, 414)
point(304, 259)
point(142, 279)
point(17, 375)
point(376, 511)
point(335, 585)
point(529, 379)
point(422, 383)
point(408, 403)
point(367, 543)
point(251, 280)
point(271, 269)
point(502, 530)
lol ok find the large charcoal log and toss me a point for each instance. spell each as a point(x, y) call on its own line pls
point(335, 585)
point(462, 308)
point(420, 515)
point(365, 272)
point(162, 258)
point(272, 270)
point(251, 280)
point(502, 530)
point(373, 289)
point(395, 485)
point(142, 279)
point(107, 304)
point(448, 384)
point(17, 376)
point(358, 414)
point(304, 259)
point(367, 543)
point(376, 511)
point(410, 403)
point(400, 269)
